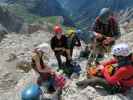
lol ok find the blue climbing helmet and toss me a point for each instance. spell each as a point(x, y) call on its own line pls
point(78, 31)
point(32, 92)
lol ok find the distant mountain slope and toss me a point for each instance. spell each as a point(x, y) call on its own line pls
point(40, 8)
point(10, 21)
point(85, 11)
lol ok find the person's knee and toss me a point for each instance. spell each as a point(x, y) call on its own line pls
point(92, 82)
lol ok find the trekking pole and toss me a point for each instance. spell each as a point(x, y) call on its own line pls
point(95, 59)
point(108, 51)
point(76, 54)
point(94, 56)
point(89, 57)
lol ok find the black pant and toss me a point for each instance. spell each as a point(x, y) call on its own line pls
point(58, 57)
point(50, 81)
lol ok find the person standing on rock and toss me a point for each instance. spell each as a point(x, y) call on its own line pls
point(59, 46)
point(105, 30)
point(73, 40)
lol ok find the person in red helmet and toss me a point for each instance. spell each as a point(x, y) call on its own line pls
point(59, 46)
point(57, 29)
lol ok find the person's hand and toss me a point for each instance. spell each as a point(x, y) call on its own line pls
point(58, 49)
point(68, 82)
point(105, 42)
point(100, 67)
point(48, 70)
point(78, 47)
point(98, 35)
point(108, 40)
point(63, 49)
point(52, 72)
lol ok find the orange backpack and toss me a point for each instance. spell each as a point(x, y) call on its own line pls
point(93, 71)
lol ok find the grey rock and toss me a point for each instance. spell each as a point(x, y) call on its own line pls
point(3, 32)
point(10, 21)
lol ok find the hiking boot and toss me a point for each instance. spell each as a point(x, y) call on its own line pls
point(51, 89)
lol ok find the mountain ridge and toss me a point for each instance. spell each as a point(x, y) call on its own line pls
point(89, 9)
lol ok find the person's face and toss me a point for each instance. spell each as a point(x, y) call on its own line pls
point(104, 19)
point(58, 35)
point(119, 58)
point(40, 53)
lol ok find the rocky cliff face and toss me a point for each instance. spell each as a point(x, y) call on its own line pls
point(85, 11)
point(48, 8)
point(10, 21)
point(71, 5)
point(43, 8)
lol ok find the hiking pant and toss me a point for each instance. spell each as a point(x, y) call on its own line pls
point(97, 81)
point(58, 57)
point(99, 50)
point(58, 94)
point(71, 52)
point(92, 82)
point(49, 79)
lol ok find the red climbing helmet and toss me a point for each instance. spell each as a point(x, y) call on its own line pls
point(57, 29)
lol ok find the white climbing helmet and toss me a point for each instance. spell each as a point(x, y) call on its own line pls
point(44, 47)
point(121, 50)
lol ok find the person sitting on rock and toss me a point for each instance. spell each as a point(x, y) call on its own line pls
point(118, 78)
point(59, 46)
point(105, 30)
point(40, 58)
point(55, 81)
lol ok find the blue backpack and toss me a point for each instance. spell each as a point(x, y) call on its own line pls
point(76, 68)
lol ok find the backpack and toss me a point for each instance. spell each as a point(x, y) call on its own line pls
point(70, 68)
point(92, 71)
point(67, 69)
point(76, 68)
